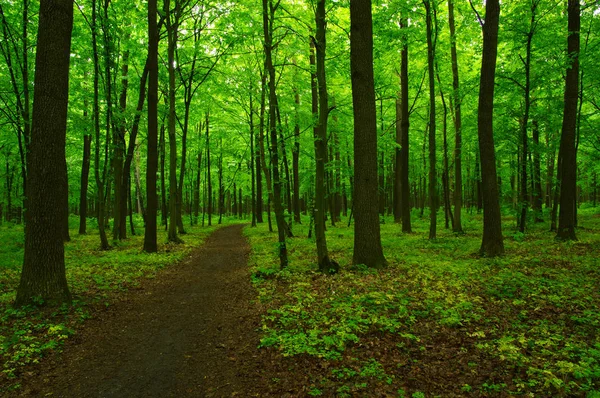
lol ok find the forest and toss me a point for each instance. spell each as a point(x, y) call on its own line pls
point(300, 198)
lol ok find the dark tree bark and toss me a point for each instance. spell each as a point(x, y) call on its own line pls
point(208, 178)
point(524, 199)
point(150, 244)
point(568, 151)
point(252, 161)
point(492, 243)
point(172, 17)
point(43, 274)
point(85, 177)
point(120, 204)
point(367, 238)
point(457, 100)
point(296, 158)
point(268, 15)
point(99, 177)
point(404, 126)
point(326, 265)
point(433, 195)
point(164, 212)
point(537, 174)
point(397, 189)
point(258, 147)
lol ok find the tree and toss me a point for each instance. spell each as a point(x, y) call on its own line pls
point(568, 152)
point(367, 238)
point(456, 98)
point(268, 16)
point(404, 126)
point(43, 276)
point(326, 265)
point(492, 242)
point(433, 196)
point(150, 244)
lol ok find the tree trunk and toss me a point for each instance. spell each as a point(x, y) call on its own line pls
point(320, 138)
point(208, 178)
point(43, 274)
point(296, 158)
point(85, 174)
point(367, 238)
point(404, 126)
point(120, 204)
point(172, 27)
point(100, 179)
point(150, 244)
point(433, 196)
point(268, 16)
point(164, 212)
point(492, 243)
point(457, 219)
point(568, 151)
point(537, 174)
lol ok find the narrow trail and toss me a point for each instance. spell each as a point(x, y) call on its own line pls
point(191, 332)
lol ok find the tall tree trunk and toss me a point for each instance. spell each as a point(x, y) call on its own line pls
point(252, 162)
point(208, 177)
point(537, 174)
point(404, 126)
point(433, 196)
point(568, 151)
point(492, 243)
point(120, 204)
point(296, 157)
point(100, 179)
point(457, 100)
point(172, 27)
point(268, 15)
point(397, 189)
point(320, 139)
point(150, 244)
point(85, 176)
point(43, 274)
point(367, 238)
point(164, 212)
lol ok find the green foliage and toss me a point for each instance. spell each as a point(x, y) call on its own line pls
point(531, 317)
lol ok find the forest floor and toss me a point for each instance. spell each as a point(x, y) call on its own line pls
point(192, 331)
point(216, 317)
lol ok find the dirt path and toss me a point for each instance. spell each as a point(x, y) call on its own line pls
point(189, 333)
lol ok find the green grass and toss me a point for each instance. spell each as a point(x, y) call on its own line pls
point(95, 277)
point(525, 323)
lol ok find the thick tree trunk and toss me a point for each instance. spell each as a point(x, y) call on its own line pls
point(150, 244)
point(43, 274)
point(367, 238)
point(296, 158)
point(568, 151)
point(492, 243)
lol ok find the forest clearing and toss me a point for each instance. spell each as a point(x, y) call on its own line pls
point(300, 198)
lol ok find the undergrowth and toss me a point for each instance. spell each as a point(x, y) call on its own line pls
point(439, 320)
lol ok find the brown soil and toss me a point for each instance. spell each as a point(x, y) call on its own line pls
point(191, 332)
